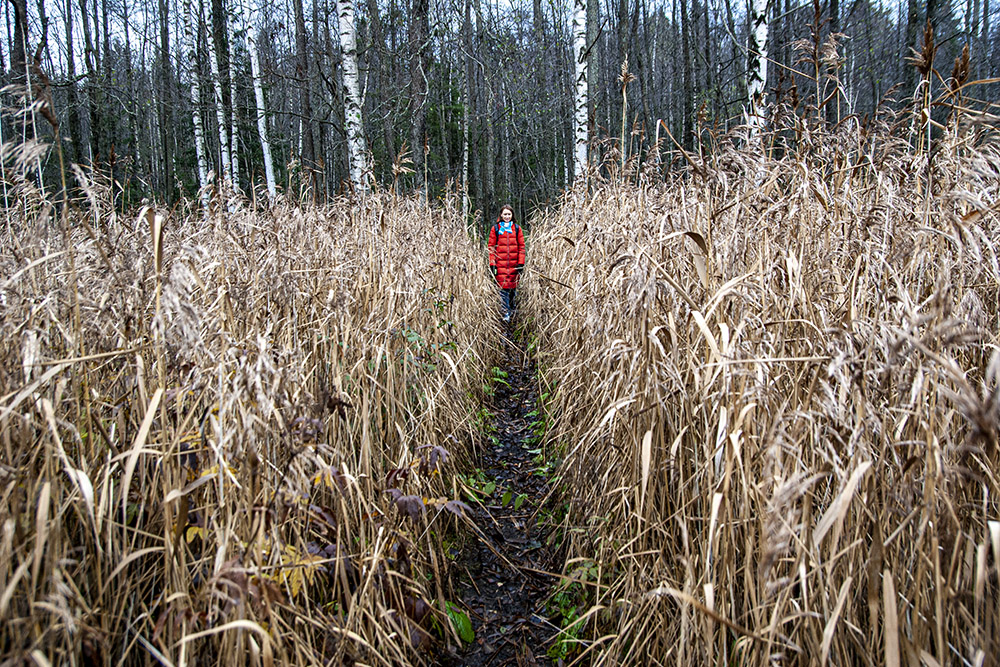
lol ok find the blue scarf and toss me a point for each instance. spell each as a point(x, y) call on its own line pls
point(505, 227)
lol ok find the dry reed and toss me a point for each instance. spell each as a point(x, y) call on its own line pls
point(777, 404)
point(201, 416)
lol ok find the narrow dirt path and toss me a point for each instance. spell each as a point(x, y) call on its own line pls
point(501, 569)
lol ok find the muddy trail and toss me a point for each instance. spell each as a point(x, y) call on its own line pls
point(503, 569)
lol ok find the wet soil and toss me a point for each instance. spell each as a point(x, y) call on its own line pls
point(502, 571)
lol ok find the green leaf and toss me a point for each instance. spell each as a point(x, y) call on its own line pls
point(490, 488)
point(520, 501)
point(460, 621)
point(505, 500)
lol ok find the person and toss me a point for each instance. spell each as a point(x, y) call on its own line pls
point(506, 247)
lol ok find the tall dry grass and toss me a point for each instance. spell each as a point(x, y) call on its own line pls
point(201, 415)
point(777, 403)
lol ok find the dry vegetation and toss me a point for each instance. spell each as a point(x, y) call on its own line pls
point(198, 432)
point(777, 403)
point(230, 435)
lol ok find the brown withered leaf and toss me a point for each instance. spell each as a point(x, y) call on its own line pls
point(396, 476)
point(338, 403)
point(458, 508)
point(416, 608)
point(430, 460)
point(411, 506)
point(403, 565)
point(265, 591)
point(323, 515)
point(330, 477)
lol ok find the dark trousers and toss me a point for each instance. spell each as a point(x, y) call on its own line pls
point(507, 299)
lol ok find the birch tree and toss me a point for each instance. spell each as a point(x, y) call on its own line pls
point(756, 66)
point(191, 49)
point(580, 109)
point(220, 112)
point(233, 132)
point(357, 152)
point(258, 91)
point(466, 102)
point(513, 66)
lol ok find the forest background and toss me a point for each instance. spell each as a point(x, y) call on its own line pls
point(456, 94)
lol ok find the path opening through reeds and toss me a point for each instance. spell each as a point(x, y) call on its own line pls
point(505, 566)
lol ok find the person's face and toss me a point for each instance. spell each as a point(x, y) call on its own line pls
point(506, 215)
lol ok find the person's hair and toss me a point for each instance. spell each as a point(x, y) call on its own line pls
point(509, 208)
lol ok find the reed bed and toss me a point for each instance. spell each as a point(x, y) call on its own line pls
point(230, 436)
point(776, 404)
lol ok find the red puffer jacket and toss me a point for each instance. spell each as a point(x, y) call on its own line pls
point(506, 253)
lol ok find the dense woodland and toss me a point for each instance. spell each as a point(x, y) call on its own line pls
point(453, 94)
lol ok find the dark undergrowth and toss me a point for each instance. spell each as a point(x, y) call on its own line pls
point(505, 569)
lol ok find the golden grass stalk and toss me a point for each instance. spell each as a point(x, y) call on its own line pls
point(208, 481)
point(777, 403)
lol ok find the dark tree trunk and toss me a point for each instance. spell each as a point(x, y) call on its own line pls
point(90, 63)
point(624, 35)
point(641, 57)
point(985, 31)
point(321, 16)
point(107, 119)
point(593, 69)
point(688, 84)
point(18, 59)
point(43, 41)
point(378, 60)
point(487, 117)
point(490, 158)
point(73, 99)
point(305, 104)
point(912, 30)
point(131, 140)
point(166, 102)
point(419, 29)
point(708, 44)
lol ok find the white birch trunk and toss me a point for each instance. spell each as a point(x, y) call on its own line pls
point(191, 55)
point(465, 142)
point(756, 66)
point(580, 110)
point(220, 113)
point(466, 101)
point(357, 152)
point(258, 91)
point(233, 132)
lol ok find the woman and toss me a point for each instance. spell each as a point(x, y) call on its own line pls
point(506, 246)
